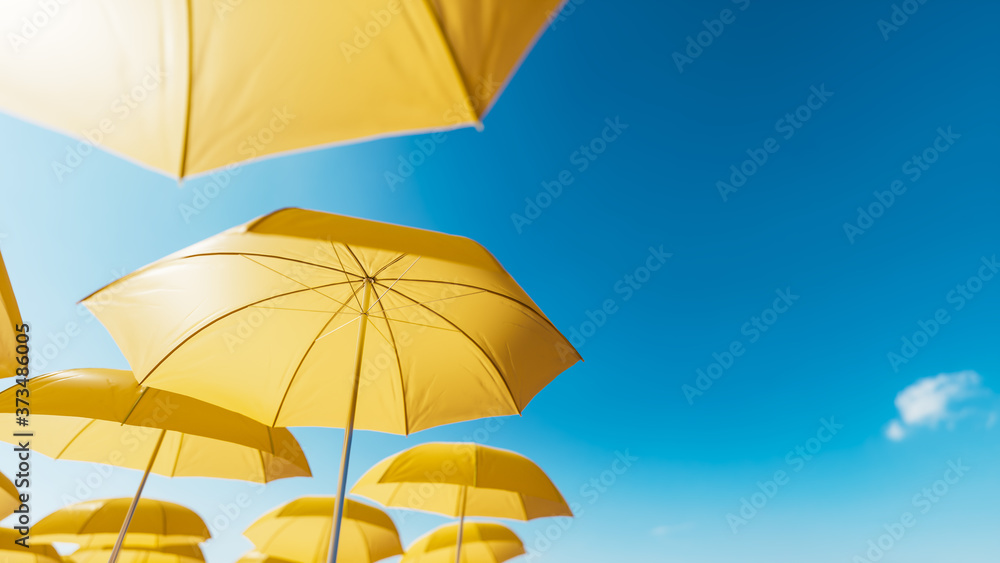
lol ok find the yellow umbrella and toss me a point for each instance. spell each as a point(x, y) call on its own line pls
point(271, 319)
point(33, 552)
point(187, 87)
point(463, 479)
point(167, 554)
point(258, 557)
point(10, 319)
point(10, 498)
point(483, 543)
point(300, 531)
point(98, 521)
point(104, 416)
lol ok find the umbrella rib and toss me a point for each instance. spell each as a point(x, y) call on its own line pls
point(90, 518)
point(290, 278)
point(467, 98)
point(393, 283)
point(417, 303)
point(263, 255)
point(344, 269)
point(219, 318)
point(302, 360)
point(390, 263)
point(190, 85)
point(492, 292)
point(356, 261)
point(134, 405)
point(73, 439)
point(263, 466)
point(387, 318)
point(399, 368)
point(492, 361)
point(177, 457)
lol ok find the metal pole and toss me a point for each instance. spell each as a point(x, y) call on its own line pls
point(345, 455)
point(461, 525)
point(135, 500)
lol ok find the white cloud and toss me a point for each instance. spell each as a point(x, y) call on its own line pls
point(895, 431)
point(930, 401)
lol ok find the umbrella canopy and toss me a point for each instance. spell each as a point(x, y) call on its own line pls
point(168, 554)
point(104, 416)
point(264, 320)
point(270, 319)
point(482, 543)
point(10, 498)
point(300, 531)
point(258, 557)
point(10, 317)
point(186, 87)
point(99, 521)
point(36, 552)
point(456, 479)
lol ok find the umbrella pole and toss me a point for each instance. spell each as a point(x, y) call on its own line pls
point(345, 455)
point(461, 525)
point(135, 500)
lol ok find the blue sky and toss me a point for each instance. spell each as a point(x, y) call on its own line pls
point(847, 299)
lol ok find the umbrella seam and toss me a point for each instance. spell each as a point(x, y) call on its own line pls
point(467, 98)
point(302, 360)
point(190, 87)
point(177, 458)
point(357, 261)
point(344, 270)
point(217, 319)
point(73, 439)
point(391, 262)
point(290, 278)
point(399, 367)
point(493, 362)
point(498, 294)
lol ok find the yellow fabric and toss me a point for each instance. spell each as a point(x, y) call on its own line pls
point(9, 497)
point(300, 531)
point(169, 554)
point(101, 520)
point(258, 557)
point(137, 542)
point(431, 477)
point(36, 552)
point(263, 320)
point(481, 543)
point(103, 416)
point(10, 317)
point(259, 78)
